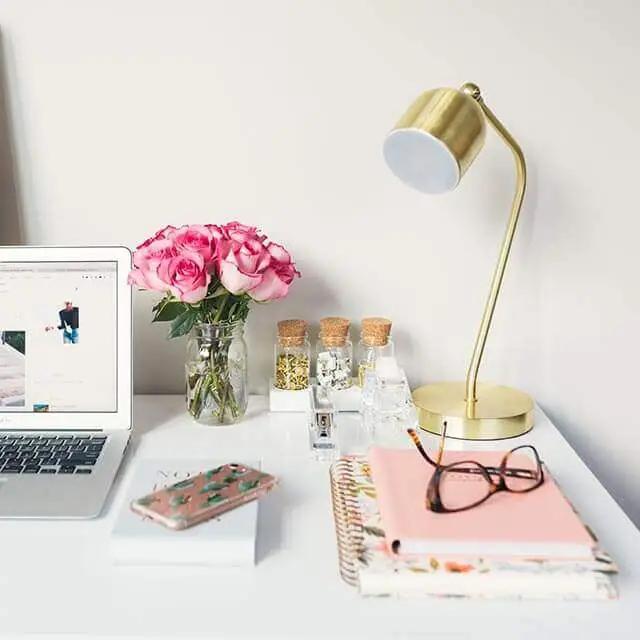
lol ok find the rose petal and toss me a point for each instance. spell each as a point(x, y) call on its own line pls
point(197, 238)
point(271, 287)
point(136, 278)
point(194, 295)
point(279, 253)
point(163, 233)
point(234, 280)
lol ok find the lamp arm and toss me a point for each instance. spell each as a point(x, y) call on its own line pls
point(498, 274)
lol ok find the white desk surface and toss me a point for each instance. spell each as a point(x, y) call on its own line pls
point(55, 577)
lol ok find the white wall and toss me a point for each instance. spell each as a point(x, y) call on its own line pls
point(130, 115)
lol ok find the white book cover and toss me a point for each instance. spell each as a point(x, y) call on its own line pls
point(228, 540)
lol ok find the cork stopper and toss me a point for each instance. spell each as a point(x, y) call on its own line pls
point(375, 331)
point(334, 331)
point(292, 332)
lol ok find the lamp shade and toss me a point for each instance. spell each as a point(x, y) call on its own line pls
point(436, 140)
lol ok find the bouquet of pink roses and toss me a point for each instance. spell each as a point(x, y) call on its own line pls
point(209, 275)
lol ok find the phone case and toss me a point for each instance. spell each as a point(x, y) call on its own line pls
point(207, 495)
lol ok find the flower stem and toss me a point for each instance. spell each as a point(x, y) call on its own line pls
point(218, 315)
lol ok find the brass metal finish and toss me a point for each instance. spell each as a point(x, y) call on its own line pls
point(452, 117)
point(499, 412)
point(472, 410)
point(498, 274)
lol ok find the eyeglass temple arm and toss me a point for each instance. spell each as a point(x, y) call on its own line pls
point(416, 441)
point(443, 435)
point(436, 463)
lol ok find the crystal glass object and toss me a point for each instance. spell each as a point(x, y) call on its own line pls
point(392, 410)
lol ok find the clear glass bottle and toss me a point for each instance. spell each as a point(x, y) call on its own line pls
point(374, 343)
point(292, 360)
point(334, 354)
point(216, 373)
point(392, 408)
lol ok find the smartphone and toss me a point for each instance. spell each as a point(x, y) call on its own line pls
point(204, 496)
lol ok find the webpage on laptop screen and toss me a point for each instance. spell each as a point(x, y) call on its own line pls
point(58, 336)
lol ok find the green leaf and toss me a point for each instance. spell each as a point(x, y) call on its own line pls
point(170, 310)
point(183, 323)
point(212, 486)
point(247, 485)
point(212, 472)
point(183, 484)
point(214, 499)
point(178, 500)
point(167, 298)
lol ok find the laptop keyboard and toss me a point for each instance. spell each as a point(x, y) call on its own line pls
point(41, 453)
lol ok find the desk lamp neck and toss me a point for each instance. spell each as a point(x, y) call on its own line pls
point(496, 282)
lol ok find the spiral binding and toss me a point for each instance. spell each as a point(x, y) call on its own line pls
point(347, 518)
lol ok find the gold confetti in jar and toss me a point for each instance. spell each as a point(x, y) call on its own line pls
point(292, 356)
point(374, 343)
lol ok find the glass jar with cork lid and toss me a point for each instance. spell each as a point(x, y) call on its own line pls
point(375, 342)
point(334, 360)
point(292, 356)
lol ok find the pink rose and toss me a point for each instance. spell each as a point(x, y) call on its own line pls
point(238, 232)
point(277, 277)
point(197, 238)
point(163, 233)
point(233, 236)
point(187, 276)
point(216, 231)
point(241, 268)
point(182, 261)
point(147, 260)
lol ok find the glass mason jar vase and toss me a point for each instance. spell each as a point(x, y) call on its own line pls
point(216, 373)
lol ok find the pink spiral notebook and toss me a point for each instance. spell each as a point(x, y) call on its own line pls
point(538, 524)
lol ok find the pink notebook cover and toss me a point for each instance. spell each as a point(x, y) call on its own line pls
point(540, 524)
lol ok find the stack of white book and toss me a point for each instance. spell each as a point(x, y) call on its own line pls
point(228, 540)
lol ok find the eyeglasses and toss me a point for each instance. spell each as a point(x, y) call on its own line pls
point(466, 484)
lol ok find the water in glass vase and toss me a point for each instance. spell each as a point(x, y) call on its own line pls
point(216, 373)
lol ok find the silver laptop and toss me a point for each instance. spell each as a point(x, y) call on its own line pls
point(65, 378)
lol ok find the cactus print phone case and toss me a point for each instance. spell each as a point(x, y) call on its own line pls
point(205, 496)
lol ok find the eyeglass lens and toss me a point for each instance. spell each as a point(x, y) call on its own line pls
point(522, 469)
point(462, 485)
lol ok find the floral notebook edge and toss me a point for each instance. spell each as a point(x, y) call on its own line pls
point(362, 548)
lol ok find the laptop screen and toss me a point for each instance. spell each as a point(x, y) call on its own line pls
point(58, 337)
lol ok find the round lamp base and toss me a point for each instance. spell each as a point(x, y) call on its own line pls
point(500, 412)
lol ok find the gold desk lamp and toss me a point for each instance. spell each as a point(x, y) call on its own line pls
point(430, 149)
